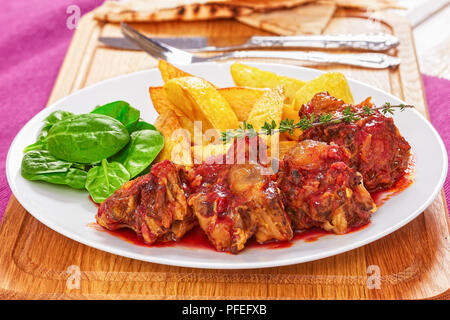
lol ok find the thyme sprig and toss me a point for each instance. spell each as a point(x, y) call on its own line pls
point(246, 129)
point(305, 123)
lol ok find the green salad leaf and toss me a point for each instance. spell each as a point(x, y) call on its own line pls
point(103, 180)
point(73, 149)
point(41, 161)
point(51, 119)
point(139, 153)
point(86, 138)
point(142, 125)
point(74, 178)
point(41, 165)
point(38, 145)
point(121, 111)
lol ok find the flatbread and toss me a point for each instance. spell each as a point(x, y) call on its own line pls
point(307, 19)
point(277, 10)
point(268, 5)
point(152, 11)
point(367, 4)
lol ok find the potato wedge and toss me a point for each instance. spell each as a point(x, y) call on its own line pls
point(246, 76)
point(284, 147)
point(177, 145)
point(202, 153)
point(161, 104)
point(267, 108)
point(241, 99)
point(333, 82)
point(160, 101)
point(169, 71)
point(290, 113)
point(199, 100)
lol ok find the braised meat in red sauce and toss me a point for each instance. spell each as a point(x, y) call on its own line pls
point(319, 189)
point(377, 150)
point(153, 205)
point(235, 198)
point(235, 202)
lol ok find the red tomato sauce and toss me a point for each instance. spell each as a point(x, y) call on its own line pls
point(196, 238)
point(380, 197)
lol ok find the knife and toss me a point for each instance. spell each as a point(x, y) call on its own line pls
point(372, 42)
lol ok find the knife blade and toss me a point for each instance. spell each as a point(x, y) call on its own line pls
point(371, 42)
point(181, 43)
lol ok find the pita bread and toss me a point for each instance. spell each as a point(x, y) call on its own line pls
point(367, 4)
point(307, 19)
point(268, 5)
point(190, 10)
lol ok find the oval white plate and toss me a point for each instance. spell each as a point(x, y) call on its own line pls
point(69, 211)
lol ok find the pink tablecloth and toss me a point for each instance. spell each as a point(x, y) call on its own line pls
point(33, 45)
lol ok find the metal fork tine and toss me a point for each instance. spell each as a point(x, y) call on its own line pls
point(140, 37)
point(156, 49)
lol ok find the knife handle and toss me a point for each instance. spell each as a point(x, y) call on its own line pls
point(367, 60)
point(373, 42)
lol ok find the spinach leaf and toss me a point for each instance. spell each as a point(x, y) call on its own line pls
point(142, 125)
point(121, 111)
point(41, 161)
point(80, 166)
point(51, 119)
point(86, 138)
point(139, 153)
point(103, 180)
point(38, 145)
point(74, 178)
point(41, 165)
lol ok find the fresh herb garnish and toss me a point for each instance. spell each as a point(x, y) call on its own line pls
point(305, 123)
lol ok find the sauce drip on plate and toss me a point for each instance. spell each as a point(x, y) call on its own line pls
point(196, 238)
point(380, 197)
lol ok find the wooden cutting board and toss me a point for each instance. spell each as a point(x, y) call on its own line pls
point(37, 263)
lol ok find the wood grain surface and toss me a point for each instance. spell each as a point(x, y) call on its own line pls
point(429, 19)
point(413, 261)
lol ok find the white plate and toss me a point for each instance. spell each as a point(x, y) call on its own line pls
point(69, 211)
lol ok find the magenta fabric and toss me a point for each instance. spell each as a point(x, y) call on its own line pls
point(437, 91)
point(33, 44)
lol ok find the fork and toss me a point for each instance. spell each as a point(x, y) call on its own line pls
point(177, 56)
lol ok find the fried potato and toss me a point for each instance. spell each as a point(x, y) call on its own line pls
point(160, 100)
point(333, 82)
point(290, 113)
point(177, 145)
point(169, 71)
point(199, 100)
point(246, 76)
point(241, 99)
point(202, 153)
point(162, 104)
point(267, 108)
point(278, 149)
point(284, 147)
